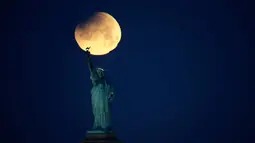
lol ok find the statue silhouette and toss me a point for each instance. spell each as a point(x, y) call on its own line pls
point(102, 95)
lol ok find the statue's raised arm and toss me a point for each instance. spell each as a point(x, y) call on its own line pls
point(93, 72)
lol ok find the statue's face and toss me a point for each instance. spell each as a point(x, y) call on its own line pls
point(100, 72)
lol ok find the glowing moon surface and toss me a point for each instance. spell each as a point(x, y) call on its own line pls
point(101, 32)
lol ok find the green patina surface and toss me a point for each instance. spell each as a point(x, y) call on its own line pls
point(102, 95)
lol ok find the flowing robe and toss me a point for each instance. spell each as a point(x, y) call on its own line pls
point(102, 95)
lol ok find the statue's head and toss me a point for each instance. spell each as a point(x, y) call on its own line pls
point(100, 72)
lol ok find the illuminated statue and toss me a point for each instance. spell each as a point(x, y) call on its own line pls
point(101, 96)
point(102, 32)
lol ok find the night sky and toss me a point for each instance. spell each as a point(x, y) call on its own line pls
point(181, 72)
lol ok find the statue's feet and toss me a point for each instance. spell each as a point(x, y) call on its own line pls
point(98, 128)
point(94, 127)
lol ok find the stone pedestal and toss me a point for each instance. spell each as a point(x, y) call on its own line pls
point(97, 137)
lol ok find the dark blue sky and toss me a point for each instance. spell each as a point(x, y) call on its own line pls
point(181, 71)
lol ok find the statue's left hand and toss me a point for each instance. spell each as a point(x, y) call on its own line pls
point(111, 96)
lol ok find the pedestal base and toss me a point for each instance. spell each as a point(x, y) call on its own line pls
point(97, 137)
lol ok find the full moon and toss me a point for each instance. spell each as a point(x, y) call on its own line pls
point(101, 32)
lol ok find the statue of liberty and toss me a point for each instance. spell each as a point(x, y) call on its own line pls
point(101, 97)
